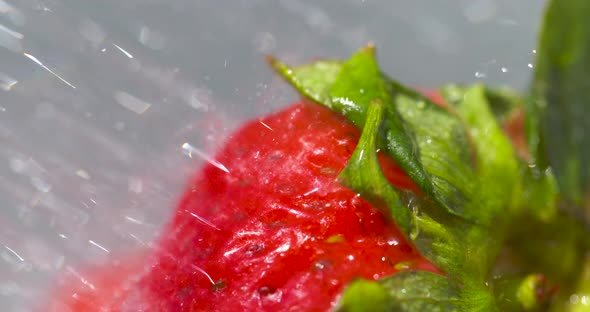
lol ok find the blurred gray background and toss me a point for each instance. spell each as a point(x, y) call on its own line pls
point(97, 98)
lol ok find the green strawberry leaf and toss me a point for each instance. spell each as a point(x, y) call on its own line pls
point(363, 172)
point(494, 187)
point(539, 197)
point(405, 291)
point(349, 92)
point(444, 151)
point(361, 81)
point(358, 84)
point(313, 80)
point(502, 101)
point(559, 109)
point(496, 159)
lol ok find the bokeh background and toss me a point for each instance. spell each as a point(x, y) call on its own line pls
point(98, 98)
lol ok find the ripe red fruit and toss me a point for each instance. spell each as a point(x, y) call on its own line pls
point(271, 228)
point(267, 227)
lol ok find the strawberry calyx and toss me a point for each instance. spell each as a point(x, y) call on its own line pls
point(432, 145)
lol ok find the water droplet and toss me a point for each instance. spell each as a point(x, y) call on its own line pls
point(190, 150)
point(40, 184)
point(322, 264)
point(83, 174)
point(350, 257)
point(480, 11)
point(392, 242)
point(199, 98)
point(151, 39)
point(17, 165)
point(131, 102)
point(97, 245)
point(135, 185)
point(480, 74)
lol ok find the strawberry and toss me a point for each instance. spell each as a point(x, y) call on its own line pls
point(267, 226)
point(272, 228)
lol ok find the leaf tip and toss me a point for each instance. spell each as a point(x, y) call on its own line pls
point(369, 48)
point(271, 60)
point(279, 67)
